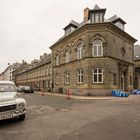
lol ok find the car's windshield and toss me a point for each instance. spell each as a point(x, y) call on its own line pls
point(7, 88)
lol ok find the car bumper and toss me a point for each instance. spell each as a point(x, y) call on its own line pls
point(11, 114)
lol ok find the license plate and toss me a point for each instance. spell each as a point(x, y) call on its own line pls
point(6, 116)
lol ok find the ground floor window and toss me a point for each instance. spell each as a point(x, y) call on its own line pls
point(80, 76)
point(114, 79)
point(67, 77)
point(97, 75)
point(131, 80)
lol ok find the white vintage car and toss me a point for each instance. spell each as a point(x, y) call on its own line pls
point(11, 106)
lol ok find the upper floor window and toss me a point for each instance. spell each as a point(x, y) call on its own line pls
point(57, 59)
point(80, 76)
point(47, 71)
point(50, 70)
point(97, 75)
point(97, 48)
point(67, 57)
point(57, 78)
point(80, 51)
point(67, 77)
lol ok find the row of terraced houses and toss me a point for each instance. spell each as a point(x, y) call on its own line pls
point(93, 57)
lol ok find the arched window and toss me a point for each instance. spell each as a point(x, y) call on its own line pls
point(67, 56)
point(97, 48)
point(57, 59)
point(80, 51)
point(67, 77)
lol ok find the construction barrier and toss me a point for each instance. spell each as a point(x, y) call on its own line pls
point(117, 93)
point(136, 92)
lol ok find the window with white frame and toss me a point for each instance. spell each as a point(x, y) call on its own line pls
point(50, 70)
point(57, 59)
point(96, 18)
point(80, 51)
point(97, 75)
point(67, 77)
point(47, 71)
point(80, 76)
point(67, 57)
point(57, 78)
point(97, 48)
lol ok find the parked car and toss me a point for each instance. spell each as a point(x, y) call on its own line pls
point(25, 89)
point(20, 88)
point(11, 106)
point(28, 89)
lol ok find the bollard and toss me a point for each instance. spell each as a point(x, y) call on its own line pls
point(68, 94)
point(42, 92)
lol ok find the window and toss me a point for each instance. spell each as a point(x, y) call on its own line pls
point(80, 76)
point(80, 51)
point(50, 70)
point(96, 18)
point(120, 25)
point(67, 57)
point(114, 79)
point(57, 78)
point(46, 71)
point(97, 49)
point(67, 77)
point(57, 59)
point(97, 75)
point(131, 81)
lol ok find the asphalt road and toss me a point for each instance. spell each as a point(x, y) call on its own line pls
point(56, 118)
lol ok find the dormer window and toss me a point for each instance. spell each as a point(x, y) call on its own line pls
point(71, 27)
point(69, 30)
point(96, 18)
point(97, 14)
point(118, 21)
point(120, 25)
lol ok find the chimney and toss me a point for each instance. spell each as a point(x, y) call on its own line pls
point(86, 14)
point(45, 55)
point(23, 61)
point(35, 61)
point(41, 57)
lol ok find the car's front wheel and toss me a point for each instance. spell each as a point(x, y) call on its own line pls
point(21, 117)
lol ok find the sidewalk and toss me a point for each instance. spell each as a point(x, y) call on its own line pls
point(77, 96)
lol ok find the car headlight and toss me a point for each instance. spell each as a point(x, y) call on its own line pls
point(21, 106)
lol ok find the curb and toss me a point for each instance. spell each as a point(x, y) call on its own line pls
point(77, 97)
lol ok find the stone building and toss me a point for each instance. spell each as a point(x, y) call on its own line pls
point(93, 57)
point(6, 75)
point(37, 74)
point(17, 70)
point(137, 74)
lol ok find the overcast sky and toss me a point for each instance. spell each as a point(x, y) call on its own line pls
point(29, 27)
